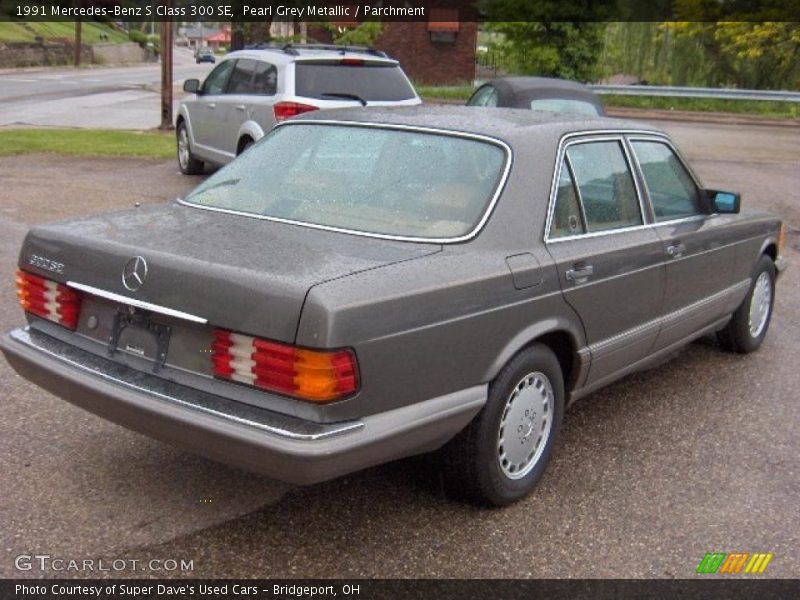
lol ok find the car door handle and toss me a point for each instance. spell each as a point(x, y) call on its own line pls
point(211, 105)
point(676, 250)
point(580, 274)
point(241, 107)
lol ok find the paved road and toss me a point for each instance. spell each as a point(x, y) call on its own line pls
point(700, 454)
point(119, 98)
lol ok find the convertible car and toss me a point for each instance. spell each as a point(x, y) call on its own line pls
point(538, 93)
point(366, 284)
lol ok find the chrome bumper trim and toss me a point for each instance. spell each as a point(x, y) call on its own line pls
point(197, 400)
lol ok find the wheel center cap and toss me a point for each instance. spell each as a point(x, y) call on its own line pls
point(527, 426)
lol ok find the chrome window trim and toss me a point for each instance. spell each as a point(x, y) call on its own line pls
point(627, 135)
point(594, 137)
point(692, 175)
point(164, 310)
point(499, 187)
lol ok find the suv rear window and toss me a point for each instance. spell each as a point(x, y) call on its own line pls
point(382, 181)
point(370, 81)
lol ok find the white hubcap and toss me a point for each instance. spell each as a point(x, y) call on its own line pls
point(525, 425)
point(760, 303)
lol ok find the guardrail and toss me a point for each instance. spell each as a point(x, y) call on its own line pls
point(696, 92)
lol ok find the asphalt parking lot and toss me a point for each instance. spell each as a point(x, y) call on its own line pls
point(697, 455)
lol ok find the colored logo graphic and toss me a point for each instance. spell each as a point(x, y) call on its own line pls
point(736, 562)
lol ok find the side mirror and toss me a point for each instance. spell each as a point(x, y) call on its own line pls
point(727, 203)
point(192, 86)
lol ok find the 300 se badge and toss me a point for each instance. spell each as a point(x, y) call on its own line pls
point(352, 291)
point(46, 264)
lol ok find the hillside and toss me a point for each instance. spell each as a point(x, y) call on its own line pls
point(28, 32)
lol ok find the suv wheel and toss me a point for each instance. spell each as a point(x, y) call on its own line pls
point(500, 456)
point(188, 164)
point(244, 145)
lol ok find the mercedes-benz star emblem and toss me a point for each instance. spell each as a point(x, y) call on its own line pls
point(134, 273)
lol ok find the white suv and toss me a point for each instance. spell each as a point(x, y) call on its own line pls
point(253, 89)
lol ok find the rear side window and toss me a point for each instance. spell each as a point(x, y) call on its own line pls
point(485, 96)
point(605, 185)
point(265, 79)
point(567, 217)
point(672, 190)
point(564, 105)
point(241, 81)
point(370, 82)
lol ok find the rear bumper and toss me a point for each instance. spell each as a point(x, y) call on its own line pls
point(283, 447)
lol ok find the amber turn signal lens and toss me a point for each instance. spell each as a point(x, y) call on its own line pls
point(313, 375)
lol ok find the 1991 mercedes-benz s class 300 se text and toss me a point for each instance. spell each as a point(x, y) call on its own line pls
point(369, 284)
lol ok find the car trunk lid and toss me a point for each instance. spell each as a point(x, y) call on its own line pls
point(241, 273)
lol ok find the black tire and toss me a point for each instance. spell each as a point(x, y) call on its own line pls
point(737, 335)
point(472, 460)
point(191, 165)
point(244, 145)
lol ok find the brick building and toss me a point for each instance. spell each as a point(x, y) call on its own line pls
point(435, 52)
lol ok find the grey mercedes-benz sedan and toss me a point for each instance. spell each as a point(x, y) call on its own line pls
point(370, 284)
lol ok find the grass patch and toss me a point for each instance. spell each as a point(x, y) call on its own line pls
point(29, 31)
point(87, 142)
point(445, 92)
point(760, 108)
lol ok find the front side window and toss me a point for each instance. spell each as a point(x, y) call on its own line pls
point(486, 96)
point(605, 185)
point(215, 82)
point(382, 181)
point(672, 190)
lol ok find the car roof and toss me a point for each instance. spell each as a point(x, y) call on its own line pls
point(518, 84)
point(519, 91)
point(282, 55)
point(507, 124)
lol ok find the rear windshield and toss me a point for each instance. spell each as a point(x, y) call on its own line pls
point(564, 105)
point(381, 181)
point(370, 82)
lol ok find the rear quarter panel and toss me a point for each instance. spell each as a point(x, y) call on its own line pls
point(450, 320)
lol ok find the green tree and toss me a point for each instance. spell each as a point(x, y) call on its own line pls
point(555, 49)
point(364, 34)
point(547, 37)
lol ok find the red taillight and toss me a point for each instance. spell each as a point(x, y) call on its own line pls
point(284, 110)
point(48, 299)
point(353, 62)
point(318, 376)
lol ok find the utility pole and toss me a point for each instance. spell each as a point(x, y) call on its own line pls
point(166, 74)
point(78, 43)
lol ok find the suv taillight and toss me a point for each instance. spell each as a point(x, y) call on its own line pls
point(48, 299)
point(284, 110)
point(314, 375)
